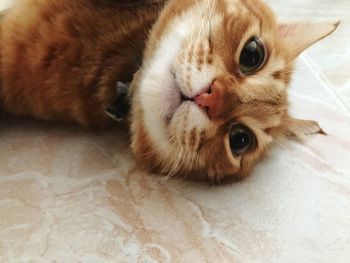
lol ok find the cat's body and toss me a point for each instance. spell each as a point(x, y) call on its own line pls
point(211, 94)
point(61, 59)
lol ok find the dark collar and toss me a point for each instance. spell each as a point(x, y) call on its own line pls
point(119, 109)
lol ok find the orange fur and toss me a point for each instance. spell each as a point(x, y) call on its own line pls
point(60, 61)
point(201, 151)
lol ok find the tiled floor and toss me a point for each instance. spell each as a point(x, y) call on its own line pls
point(70, 195)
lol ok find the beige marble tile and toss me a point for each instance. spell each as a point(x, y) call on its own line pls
point(4, 4)
point(70, 195)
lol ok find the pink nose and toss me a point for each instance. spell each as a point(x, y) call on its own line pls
point(211, 101)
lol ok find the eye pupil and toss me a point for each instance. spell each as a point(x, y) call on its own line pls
point(252, 56)
point(241, 139)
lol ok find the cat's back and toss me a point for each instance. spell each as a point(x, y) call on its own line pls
point(60, 58)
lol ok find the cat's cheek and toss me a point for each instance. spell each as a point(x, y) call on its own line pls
point(188, 117)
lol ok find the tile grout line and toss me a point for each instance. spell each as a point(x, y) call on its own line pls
point(324, 80)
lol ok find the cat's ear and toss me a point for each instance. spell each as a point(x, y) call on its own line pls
point(298, 36)
point(299, 129)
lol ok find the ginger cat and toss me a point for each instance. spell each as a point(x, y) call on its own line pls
point(208, 100)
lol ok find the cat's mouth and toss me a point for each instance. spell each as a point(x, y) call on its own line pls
point(183, 98)
point(176, 99)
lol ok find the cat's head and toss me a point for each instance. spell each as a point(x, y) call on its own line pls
point(212, 93)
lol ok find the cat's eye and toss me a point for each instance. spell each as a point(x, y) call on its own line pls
point(252, 56)
point(242, 139)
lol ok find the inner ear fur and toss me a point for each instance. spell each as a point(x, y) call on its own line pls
point(299, 129)
point(298, 36)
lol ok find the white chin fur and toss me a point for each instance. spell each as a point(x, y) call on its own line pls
point(159, 92)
